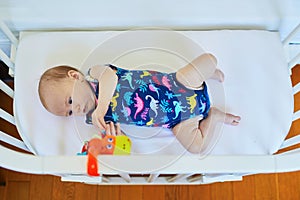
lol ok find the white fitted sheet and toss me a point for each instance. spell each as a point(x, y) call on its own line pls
point(257, 87)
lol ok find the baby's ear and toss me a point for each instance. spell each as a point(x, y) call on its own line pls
point(73, 74)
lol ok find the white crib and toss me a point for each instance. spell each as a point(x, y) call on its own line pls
point(143, 169)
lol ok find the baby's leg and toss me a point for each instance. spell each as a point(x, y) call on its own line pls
point(190, 134)
point(200, 69)
point(214, 116)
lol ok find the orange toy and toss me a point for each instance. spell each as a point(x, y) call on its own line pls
point(111, 145)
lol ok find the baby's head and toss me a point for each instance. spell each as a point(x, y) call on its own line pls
point(63, 91)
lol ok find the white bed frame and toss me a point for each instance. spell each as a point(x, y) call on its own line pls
point(198, 171)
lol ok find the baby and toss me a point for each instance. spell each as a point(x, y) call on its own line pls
point(110, 95)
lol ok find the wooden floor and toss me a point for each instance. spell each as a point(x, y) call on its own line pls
point(17, 186)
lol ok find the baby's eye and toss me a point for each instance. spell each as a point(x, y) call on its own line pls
point(70, 112)
point(70, 100)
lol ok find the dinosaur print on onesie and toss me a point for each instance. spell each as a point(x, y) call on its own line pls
point(151, 98)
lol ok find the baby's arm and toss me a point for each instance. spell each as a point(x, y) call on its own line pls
point(189, 135)
point(107, 83)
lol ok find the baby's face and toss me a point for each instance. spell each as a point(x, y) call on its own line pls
point(73, 96)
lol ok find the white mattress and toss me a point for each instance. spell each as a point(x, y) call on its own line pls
point(257, 86)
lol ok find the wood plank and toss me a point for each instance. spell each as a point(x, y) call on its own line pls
point(174, 192)
point(244, 190)
point(156, 192)
point(297, 102)
point(17, 190)
point(62, 190)
point(222, 190)
point(41, 187)
point(2, 192)
point(2, 184)
point(108, 192)
point(266, 186)
point(296, 74)
point(17, 176)
point(288, 185)
point(84, 191)
point(202, 192)
point(129, 192)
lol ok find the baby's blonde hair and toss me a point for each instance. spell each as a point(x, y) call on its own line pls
point(52, 77)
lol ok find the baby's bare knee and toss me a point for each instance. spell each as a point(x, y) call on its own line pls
point(194, 150)
point(195, 147)
point(210, 57)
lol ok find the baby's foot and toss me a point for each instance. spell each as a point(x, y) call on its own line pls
point(227, 118)
point(218, 75)
point(232, 119)
point(214, 116)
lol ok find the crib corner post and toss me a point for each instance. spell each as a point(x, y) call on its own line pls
point(13, 51)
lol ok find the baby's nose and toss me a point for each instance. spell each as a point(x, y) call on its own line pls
point(76, 109)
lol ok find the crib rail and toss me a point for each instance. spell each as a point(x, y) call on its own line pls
point(197, 167)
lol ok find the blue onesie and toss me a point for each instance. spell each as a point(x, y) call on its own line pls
point(151, 98)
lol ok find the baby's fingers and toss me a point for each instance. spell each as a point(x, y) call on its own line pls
point(112, 128)
point(107, 130)
point(118, 129)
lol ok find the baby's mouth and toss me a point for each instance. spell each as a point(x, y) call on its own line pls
point(84, 109)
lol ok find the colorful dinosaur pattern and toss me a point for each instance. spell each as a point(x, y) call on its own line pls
point(139, 104)
point(191, 100)
point(114, 101)
point(150, 98)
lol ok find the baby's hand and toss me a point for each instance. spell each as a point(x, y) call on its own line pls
point(113, 129)
point(98, 119)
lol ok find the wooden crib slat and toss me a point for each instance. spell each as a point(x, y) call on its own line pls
point(296, 115)
point(6, 60)
point(291, 141)
point(152, 177)
point(8, 117)
point(126, 177)
point(178, 177)
point(296, 88)
point(5, 88)
point(13, 141)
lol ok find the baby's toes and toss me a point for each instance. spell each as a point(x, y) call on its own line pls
point(232, 119)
